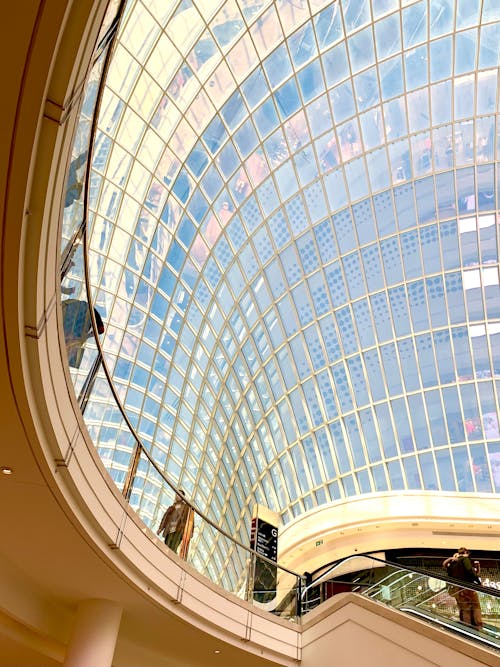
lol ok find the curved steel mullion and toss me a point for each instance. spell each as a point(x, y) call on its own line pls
point(139, 447)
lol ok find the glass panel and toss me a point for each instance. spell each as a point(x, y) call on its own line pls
point(275, 248)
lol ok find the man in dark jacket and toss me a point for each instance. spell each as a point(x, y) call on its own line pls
point(459, 566)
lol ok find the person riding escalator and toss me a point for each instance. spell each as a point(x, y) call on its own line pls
point(459, 566)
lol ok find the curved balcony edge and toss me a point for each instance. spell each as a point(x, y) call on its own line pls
point(73, 503)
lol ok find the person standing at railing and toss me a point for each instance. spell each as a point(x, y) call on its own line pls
point(177, 525)
point(459, 566)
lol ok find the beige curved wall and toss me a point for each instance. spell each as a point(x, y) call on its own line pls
point(390, 521)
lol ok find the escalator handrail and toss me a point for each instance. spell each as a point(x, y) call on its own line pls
point(444, 577)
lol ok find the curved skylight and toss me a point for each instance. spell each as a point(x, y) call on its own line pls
point(294, 249)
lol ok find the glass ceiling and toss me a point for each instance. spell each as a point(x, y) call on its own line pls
point(294, 249)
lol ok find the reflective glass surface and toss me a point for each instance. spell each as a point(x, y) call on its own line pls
point(293, 245)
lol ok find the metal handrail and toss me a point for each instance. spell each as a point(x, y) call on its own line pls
point(449, 580)
point(83, 397)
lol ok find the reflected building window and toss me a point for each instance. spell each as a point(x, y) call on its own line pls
point(77, 324)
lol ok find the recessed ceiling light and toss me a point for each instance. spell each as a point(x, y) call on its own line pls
point(6, 470)
point(217, 651)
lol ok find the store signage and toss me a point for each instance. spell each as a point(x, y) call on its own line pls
point(264, 540)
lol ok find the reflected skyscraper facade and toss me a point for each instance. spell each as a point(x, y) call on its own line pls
point(294, 247)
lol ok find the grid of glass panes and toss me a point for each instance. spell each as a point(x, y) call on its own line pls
point(295, 247)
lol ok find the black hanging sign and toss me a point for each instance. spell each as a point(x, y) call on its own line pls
point(264, 540)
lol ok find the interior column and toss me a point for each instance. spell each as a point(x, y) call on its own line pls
point(93, 639)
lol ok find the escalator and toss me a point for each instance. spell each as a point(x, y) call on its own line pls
point(419, 593)
point(488, 636)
